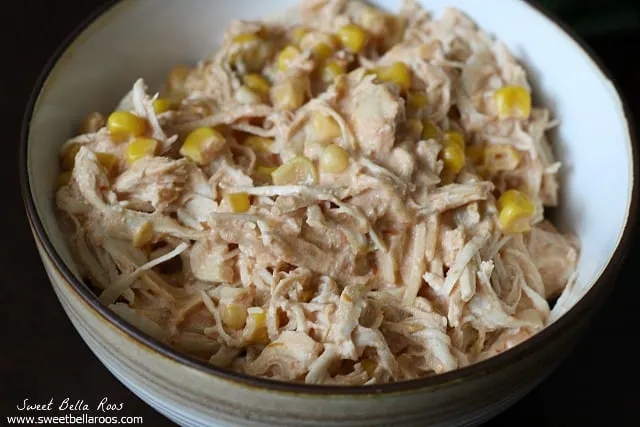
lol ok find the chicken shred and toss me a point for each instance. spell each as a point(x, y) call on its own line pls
point(391, 267)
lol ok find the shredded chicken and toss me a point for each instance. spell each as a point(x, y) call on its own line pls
point(396, 265)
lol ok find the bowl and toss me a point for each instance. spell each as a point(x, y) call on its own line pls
point(131, 39)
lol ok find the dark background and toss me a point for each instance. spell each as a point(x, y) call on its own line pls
point(41, 356)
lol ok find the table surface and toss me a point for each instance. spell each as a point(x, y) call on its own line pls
point(42, 357)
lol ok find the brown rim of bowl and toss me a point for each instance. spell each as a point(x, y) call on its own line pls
point(604, 283)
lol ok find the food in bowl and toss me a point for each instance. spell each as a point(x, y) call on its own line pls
point(340, 197)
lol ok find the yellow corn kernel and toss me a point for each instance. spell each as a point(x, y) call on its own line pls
point(245, 38)
point(287, 55)
point(263, 173)
point(373, 20)
point(331, 70)
point(63, 179)
point(143, 234)
point(258, 84)
point(177, 79)
point(267, 170)
point(290, 93)
point(233, 315)
point(369, 366)
point(454, 137)
point(475, 153)
point(324, 127)
point(250, 53)
point(238, 202)
point(501, 157)
point(306, 295)
point(161, 105)
point(125, 124)
point(334, 159)
point(353, 37)
point(322, 51)
point(414, 128)
point(298, 33)
point(398, 73)
point(516, 210)
point(447, 177)
point(417, 100)
point(512, 102)
point(394, 31)
point(107, 160)
point(431, 130)
point(139, 148)
point(256, 326)
point(69, 156)
point(244, 95)
point(92, 123)
point(259, 144)
point(453, 157)
point(202, 145)
point(299, 170)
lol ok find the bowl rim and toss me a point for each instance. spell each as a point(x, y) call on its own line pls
point(602, 285)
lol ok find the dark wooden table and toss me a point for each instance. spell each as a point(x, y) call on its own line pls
point(42, 357)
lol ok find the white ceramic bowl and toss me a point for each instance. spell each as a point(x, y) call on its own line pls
point(145, 38)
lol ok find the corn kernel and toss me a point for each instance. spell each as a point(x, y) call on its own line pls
point(161, 105)
point(322, 51)
point(398, 73)
point(453, 157)
point(306, 295)
point(431, 131)
point(107, 160)
point(287, 55)
point(202, 145)
point(92, 123)
point(298, 33)
point(297, 171)
point(501, 157)
point(124, 124)
point(244, 95)
point(373, 20)
point(417, 100)
point(63, 179)
point(516, 211)
point(334, 159)
point(256, 326)
point(324, 127)
point(258, 84)
point(264, 172)
point(395, 27)
point(331, 70)
point(290, 93)
point(475, 153)
point(69, 156)
point(447, 177)
point(238, 202)
point(353, 38)
point(245, 38)
point(177, 78)
point(233, 315)
point(414, 128)
point(143, 234)
point(139, 148)
point(252, 51)
point(369, 366)
point(259, 144)
point(512, 102)
point(454, 137)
